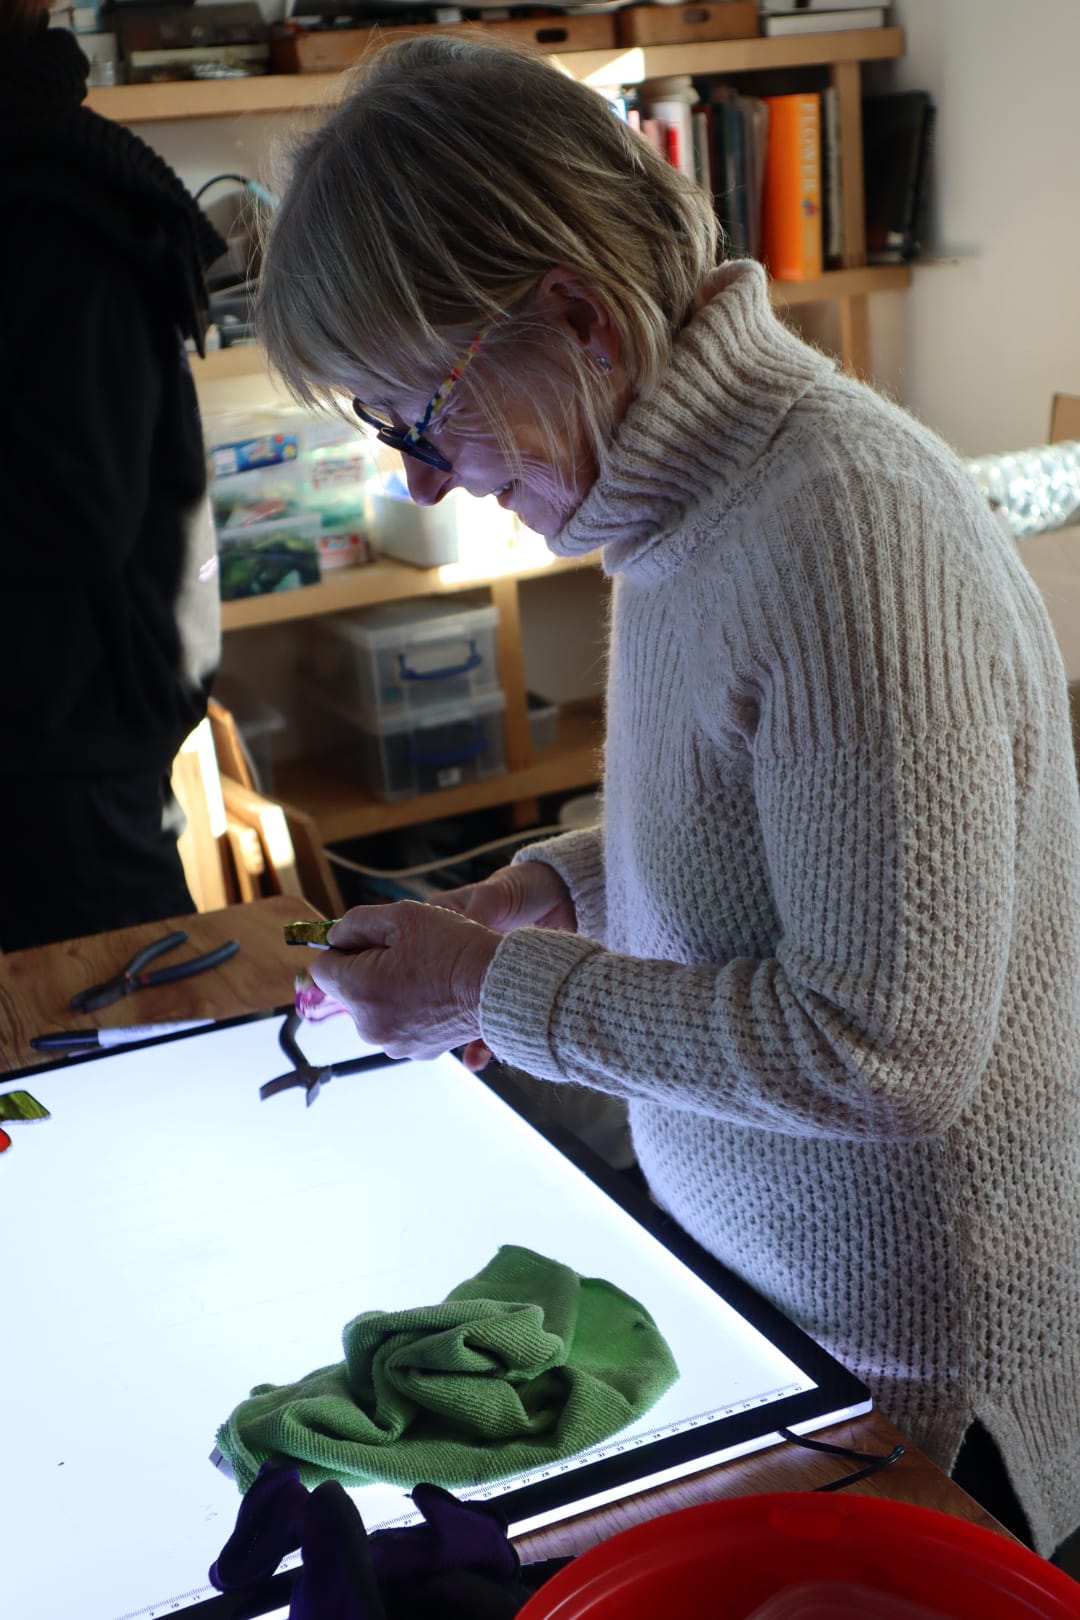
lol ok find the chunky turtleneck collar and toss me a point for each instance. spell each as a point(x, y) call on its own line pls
point(734, 373)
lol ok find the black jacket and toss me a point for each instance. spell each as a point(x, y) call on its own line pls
point(109, 614)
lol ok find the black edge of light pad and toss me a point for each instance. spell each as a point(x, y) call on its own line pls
point(71, 1060)
point(837, 1388)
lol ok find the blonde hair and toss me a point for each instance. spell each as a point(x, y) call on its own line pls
point(432, 202)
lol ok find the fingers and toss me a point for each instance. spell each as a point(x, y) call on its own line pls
point(493, 902)
point(366, 927)
point(476, 1056)
point(311, 1002)
point(517, 896)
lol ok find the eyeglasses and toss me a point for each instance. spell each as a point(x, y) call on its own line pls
point(412, 442)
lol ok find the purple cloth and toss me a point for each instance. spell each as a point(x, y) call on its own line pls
point(460, 1546)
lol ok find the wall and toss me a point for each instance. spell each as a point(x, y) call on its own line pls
point(983, 339)
point(199, 148)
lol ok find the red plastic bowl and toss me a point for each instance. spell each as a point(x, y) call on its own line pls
point(726, 1560)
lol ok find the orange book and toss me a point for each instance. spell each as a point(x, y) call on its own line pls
point(791, 201)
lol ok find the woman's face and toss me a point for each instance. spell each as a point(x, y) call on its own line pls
point(543, 484)
point(550, 472)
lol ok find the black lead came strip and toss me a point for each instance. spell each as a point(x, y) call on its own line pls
point(874, 1461)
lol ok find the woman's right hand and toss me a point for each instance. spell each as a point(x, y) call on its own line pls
point(531, 895)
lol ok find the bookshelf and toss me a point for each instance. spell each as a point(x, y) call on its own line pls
point(306, 92)
point(339, 808)
point(838, 55)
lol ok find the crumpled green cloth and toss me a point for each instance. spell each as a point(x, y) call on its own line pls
point(521, 1365)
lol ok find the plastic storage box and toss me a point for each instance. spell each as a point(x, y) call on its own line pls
point(425, 536)
point(399, 755)
point(543, 720)
point(404, 657)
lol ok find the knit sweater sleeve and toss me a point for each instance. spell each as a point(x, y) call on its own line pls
point(886, 784)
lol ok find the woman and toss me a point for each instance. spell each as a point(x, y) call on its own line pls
point(109, 615)
point(827, 943)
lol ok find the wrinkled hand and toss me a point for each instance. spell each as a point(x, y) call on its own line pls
point(409, 974)
point(531, 895)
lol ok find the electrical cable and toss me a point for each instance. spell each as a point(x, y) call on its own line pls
point(452, 860)
point(874, 1461)
point(238, 179)
point(254, 187)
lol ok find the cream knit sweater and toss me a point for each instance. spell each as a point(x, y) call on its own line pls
point(829, 939)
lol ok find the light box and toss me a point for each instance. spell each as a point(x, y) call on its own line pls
point(171, 1241)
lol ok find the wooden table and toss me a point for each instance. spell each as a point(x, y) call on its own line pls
point(35, 987)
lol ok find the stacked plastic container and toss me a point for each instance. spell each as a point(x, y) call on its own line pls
point(288, 495)
point(413, 689)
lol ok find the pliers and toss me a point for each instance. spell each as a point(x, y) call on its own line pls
point(309, 1075)
point(132, 977)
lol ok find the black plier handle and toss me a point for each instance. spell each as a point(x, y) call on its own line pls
point(312, 1077)
point(132, 977)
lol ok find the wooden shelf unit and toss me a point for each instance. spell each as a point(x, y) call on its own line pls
point(628, 64)
point(339, 808)
point(380, 581)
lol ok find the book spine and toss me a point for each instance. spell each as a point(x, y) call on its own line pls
point(791, 212)
point(832, 210)
point(701, 126)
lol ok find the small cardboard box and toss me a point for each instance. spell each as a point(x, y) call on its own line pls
point(687, 24)
point(1053, 560)
point(330, 50)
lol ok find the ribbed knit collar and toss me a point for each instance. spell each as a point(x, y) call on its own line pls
point(734, 374)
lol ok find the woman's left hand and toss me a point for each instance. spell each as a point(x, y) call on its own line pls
point(409, 974)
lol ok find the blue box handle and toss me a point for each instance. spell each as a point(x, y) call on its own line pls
point(473, 661)
point(452, 756)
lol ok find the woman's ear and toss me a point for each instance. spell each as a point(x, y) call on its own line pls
point(568, 302)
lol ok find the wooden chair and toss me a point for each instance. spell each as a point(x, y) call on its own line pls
point(239, 844)
point(1065, 418)
point(1064, 426)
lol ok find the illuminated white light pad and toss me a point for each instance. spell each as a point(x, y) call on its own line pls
point(172, 1241)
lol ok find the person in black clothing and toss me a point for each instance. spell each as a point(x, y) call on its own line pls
point(109, 609)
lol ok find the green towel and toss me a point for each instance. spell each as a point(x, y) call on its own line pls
point(523, 1364)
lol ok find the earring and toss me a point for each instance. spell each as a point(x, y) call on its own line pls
point(603, 363)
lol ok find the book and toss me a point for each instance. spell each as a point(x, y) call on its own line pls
point(771, 6)
point(832, 202)
point(738, 126)
point(702, 133)
point(756, 126)
point(729, 171)
point(821, 22)
point(791, 200)
point(897, 136)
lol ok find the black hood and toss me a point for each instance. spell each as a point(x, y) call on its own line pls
point(54, 147)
